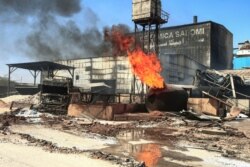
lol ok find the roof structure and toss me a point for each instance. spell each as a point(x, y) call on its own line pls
point(41, 66)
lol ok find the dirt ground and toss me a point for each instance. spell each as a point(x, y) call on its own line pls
point(47, 140)
point(18, 155)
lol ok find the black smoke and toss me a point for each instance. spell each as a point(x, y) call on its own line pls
point(52, 40)
point(39, 7)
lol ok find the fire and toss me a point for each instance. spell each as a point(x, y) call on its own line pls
point(147, 67)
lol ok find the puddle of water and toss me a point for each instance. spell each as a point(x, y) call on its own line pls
point(156, 134)
point(144, 144)
point(157, 147)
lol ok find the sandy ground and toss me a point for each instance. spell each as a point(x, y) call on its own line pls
point(199, 157)
point(34, 99)
point(13, 155)
point(63, 139)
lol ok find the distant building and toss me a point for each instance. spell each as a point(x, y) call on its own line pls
point(242, 57)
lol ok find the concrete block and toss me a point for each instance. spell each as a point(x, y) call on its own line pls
point(204, 105)
point(93, 111)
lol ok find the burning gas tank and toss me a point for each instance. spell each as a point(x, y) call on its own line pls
point(169, 98)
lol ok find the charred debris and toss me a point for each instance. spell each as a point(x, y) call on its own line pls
point(214, 95)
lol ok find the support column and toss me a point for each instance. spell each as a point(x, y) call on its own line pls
point(157, 40)
point(143, 48)
point(134, 78)
point(35, 76)
point(232, 85)
point(48, 72)
point(149, 39)
point(8, 93)
point(143, 38)
point(73, 75)
point(11, 70)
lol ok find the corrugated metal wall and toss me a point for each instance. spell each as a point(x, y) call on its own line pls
point(90, 70)
point(177, 69)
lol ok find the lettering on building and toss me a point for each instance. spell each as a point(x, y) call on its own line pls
point(175, 38)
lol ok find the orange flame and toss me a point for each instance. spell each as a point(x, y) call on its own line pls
point(147, 67)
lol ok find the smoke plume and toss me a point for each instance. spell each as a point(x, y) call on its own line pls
point(51, 39)
point(54, 41)
point(39, 7)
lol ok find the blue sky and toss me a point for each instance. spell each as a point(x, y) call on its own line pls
point(233, 14)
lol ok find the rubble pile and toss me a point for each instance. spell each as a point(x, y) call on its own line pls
point(11, 118)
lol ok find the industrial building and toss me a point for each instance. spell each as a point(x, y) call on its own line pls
point(242, 57)
point(208, 43)
point(182, 50)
